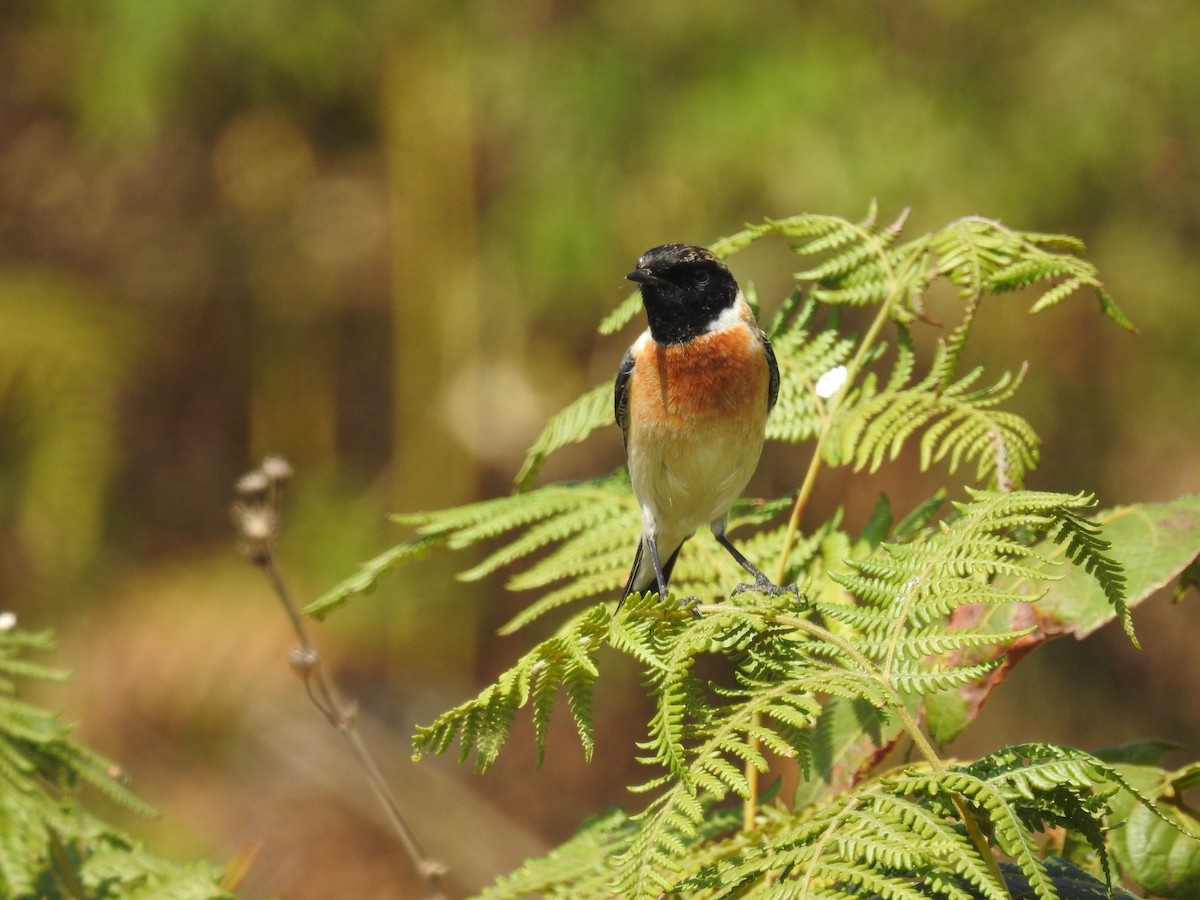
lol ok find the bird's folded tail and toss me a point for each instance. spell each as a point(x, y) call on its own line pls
point(643, 578)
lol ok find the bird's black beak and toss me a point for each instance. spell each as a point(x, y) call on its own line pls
point(643, 276)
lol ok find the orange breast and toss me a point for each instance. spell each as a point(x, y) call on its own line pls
point(716, 381)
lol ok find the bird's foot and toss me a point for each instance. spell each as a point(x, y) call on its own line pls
point(692, 604)
point(764, 585)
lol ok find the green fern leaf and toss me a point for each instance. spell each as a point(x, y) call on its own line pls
point(592, 410)
point(47, 839)
point(580, 867)
point(1083, 545)
point(367, 577)
point(959, 425)
point(982, 256)
point(590, 520)
point(622, 315)
point(851, 259)
point(803, 358)
point(482, 725)
point(834, 681)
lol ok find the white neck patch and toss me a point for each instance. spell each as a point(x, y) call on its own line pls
point(737, 314)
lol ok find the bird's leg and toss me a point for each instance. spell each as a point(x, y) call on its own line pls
point(692, 601)
point(652, 544)
point(762, 583)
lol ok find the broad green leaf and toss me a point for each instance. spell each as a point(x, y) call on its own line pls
point(1154, 542)
point(1161, 858)
point(849, 740)
point(1070, 883)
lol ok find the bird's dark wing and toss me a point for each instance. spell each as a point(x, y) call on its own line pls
point(621, 394)
point(773, 389)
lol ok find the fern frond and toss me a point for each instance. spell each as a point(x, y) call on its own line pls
point(705, 738)
point(803, 358)
point(466, 526)
point(579, 867)
point(960, 424)
point(592, 410)
point(367, 577)
point(14, 667)
point(902, 588)
point(678, 697)
point(459, 528)
point(874, 839)
point(859, 265)
point(935, 641)
point(629, 634)
point(707, 745)
point(828, 233)
point(931, 680)
point(604, 549)
point(982, 256)
point(561, 524)
point(622, 315)
point(1027, 789)
point(1083, 545)
point(852, 257)
point(589, 520)
point(579, 588)
point(481, 725)
point(47, 839)
point(875, 842)
point(900, 836)
point(835, 680)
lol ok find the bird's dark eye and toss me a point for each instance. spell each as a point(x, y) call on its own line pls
point(700, 277)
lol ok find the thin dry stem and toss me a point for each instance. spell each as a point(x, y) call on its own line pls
point(258, 505)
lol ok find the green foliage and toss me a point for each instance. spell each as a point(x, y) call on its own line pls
point(906, 824)
point(783, 665)
point(50, 846)
point(64, 351)
point(591, 411)
point(959, 425)
point(1161, 853)
point(1157, 541)
point(901, 623)
point(861, 425)
point(893, 836)
point(566, 660)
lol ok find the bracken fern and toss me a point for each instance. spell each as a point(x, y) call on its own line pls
point(50, 845)
point(833, 681)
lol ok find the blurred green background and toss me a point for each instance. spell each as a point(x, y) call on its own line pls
point(376, 238)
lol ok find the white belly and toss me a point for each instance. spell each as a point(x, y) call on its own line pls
point(683, 486)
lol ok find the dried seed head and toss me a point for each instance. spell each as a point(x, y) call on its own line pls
point(253, 483)
point(258, 527)
point(256, 512)
point(276, 469)
point(303, 661)
point(256, 523)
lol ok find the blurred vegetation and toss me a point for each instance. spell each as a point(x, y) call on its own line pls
point(50, 847)
point(375, 238)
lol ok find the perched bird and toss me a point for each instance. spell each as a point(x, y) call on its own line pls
point(692, 398)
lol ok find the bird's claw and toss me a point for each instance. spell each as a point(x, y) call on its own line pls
point(763, 585)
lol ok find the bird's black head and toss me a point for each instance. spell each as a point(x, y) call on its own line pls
point(684, 289)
